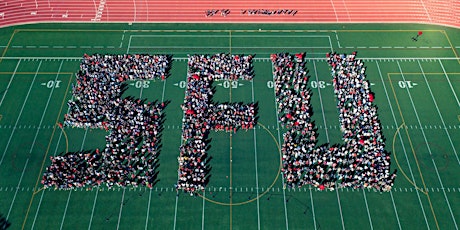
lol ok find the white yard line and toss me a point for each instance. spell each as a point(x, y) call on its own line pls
point(330, 44)
point(404, 150)
point(396, 211)
point(279, 141)
point(202, 213)
point(429, 149)
point(255, 164)
point(163, 93)
point(367, 209)
point(20, 113)
point(175, 209)
point(70, 193)
point(448, 80)
point(92, 211)
point(121, 208)
point(17, 189)
point(327, 138)
point(177, 190)
point(38, 209)
point(65, 210)
point(9, 83)
point(312, 207)
point(36, 133)
point(150, 194)
point(54, 154)
point(148, 210)
point(129, 44)
point(439, 113)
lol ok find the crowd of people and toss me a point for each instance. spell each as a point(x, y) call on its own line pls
point(201, 114)
point(130, 154)
point(361, 161)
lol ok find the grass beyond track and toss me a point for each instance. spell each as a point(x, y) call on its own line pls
point(417, 88)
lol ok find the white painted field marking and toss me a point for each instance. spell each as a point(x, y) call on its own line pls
point(312, 208)
point(404, 148)
point(429, 150)
point(255, 164)
point(121, 208)
point(70, 193)
point(367, 209)
point(450, 84)
point(20, 113)
point(36, 133)
point(9, 83)
point(439, 113)
point(92, 211)
point(282, 177)
point(327, 138)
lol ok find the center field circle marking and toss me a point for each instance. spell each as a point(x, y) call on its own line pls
point(268, 188)
point(397, 162)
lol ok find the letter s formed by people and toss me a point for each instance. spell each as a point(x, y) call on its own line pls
point(131, 151)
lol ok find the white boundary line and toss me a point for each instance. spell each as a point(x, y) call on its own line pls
point(327, 138)
point(279, 142)
point(9, 83)
point(233, 36)
point(439, 113)
point(404, 149)
point(20, 113)
point(429, 149)
point(255, 162)
point(233, 47)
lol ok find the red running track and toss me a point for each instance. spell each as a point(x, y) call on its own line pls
point(445, 12)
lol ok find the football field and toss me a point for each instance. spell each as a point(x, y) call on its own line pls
point(417, 90)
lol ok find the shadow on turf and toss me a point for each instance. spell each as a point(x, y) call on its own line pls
point(4, 223)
